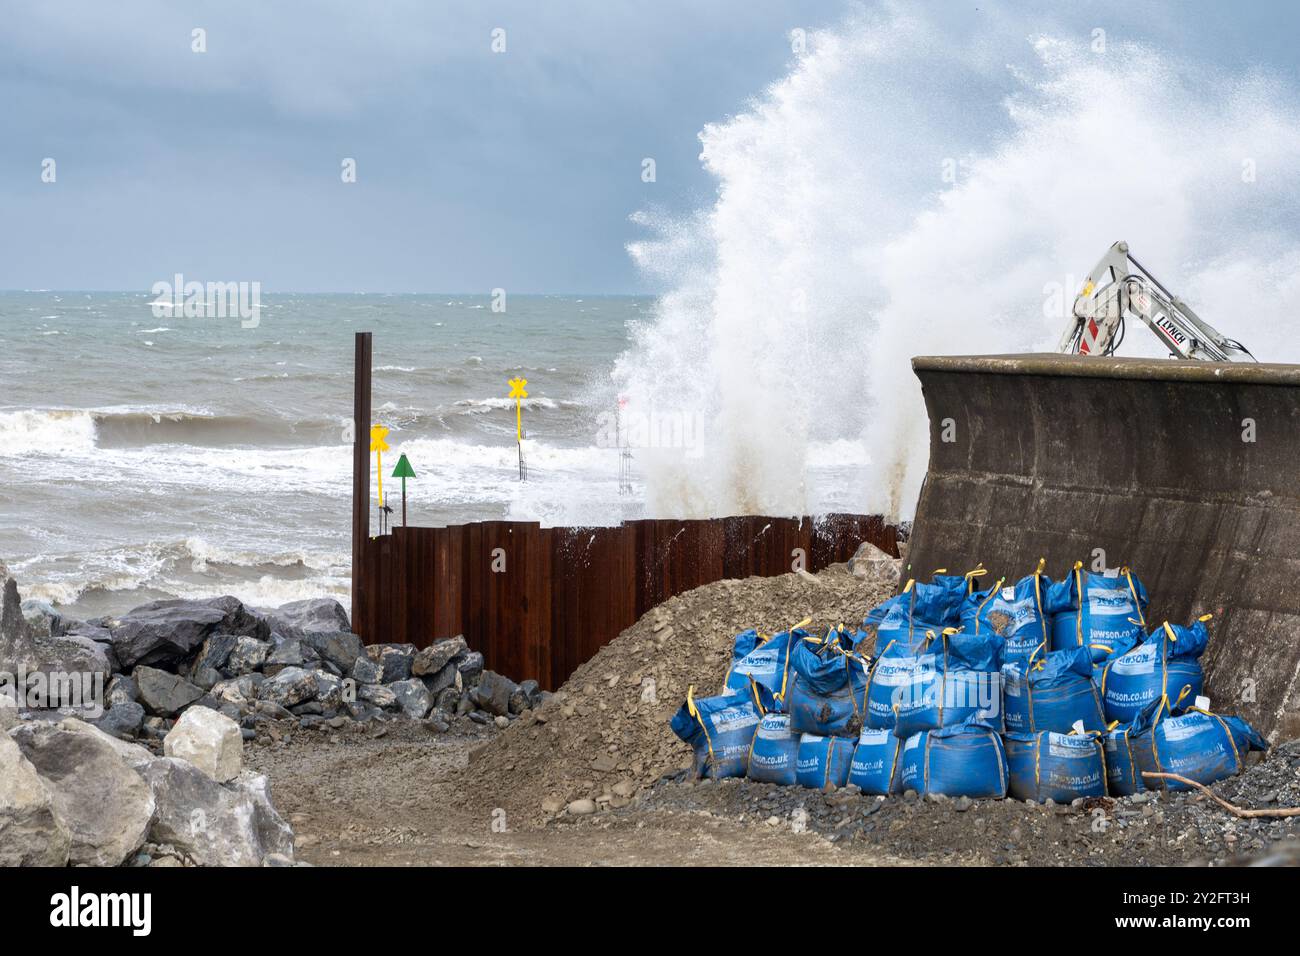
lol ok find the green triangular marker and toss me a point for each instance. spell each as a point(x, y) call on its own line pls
point(403, 469)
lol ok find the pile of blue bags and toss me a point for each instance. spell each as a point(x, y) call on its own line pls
point(1038, 689)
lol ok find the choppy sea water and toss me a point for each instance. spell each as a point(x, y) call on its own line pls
point(145, 457)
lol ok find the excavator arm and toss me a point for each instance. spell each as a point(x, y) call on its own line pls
point(1120, 286)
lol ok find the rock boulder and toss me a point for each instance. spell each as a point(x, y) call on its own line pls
point(313, 616)
point(413, 697)
point(340, 648)
point(438, 655)
point(169, 631)
point(164, 693)
point(493, 693)
point(289, 687)
point(233, 824)
point(31, 833)
point(101, 801)
point(37, 649)
point(209, 740)
point(394, 659)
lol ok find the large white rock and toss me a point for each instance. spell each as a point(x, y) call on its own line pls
point(31, 833)
point(208, 739)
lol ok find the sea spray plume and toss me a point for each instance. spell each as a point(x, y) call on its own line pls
point(1134, 146)
point(763, 331)
point(774, 290)
point(836, 250)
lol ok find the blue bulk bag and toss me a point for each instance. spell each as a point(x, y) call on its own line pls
point(824, 760)
point(827, 690)
point(1123, 776)
point(1100, 660)
point(1165, 662)
point(963, 760)
point(1097, 610)
point(774, 753)
point(741, 645)
point(719, 730)
point(1195, 743)
point(1052, 693)
point(767, 664)
point(886, 625)
point(1051, 766)
point(874, 769)
point(900, 623)
point(888, 673)
point(1015, 613)
point(1128, 747)
point(957, 679)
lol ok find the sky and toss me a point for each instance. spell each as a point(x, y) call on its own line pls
point(475, 169)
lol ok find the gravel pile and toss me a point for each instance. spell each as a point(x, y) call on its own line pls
point(1147, 829)
point(604, 735)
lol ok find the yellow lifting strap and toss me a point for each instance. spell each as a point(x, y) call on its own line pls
point(871, 670)
point(993, 592)
point(1133, 590)
point(785, 671)
point(694, 712)
point(1105, 671)
point(1078, 614)
point(893, 764)
point(976, 572)
point(1030, 663)
point(1038, 590)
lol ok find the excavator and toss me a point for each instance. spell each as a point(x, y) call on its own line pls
point(1120, 286)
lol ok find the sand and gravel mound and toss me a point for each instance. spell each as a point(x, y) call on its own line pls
point(605, 735)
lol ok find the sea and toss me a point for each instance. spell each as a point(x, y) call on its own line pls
point(144, 458)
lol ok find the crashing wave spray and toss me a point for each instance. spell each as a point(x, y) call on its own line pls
point(901, 193)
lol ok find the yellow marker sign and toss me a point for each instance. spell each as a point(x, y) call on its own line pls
point(377, 444)
point(518, 394)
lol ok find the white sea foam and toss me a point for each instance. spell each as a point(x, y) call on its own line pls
point(32, 431)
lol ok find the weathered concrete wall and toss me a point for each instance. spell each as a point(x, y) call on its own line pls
point(1055, 456)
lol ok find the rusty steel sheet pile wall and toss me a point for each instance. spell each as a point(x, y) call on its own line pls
point(1188, 472)
point(538, 602)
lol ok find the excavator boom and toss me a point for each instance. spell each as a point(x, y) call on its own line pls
point(1119, 287)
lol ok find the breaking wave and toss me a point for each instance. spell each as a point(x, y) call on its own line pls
point(79, 430)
